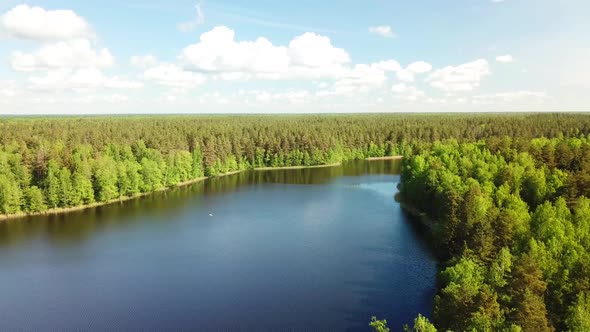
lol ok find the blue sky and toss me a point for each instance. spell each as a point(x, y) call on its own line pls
point(210, 56)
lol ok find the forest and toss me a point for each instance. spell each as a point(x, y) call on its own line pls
point(52, 163)
point(512, 223)
point(504, 197)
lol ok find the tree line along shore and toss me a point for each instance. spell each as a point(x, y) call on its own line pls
point(49, 163)
point(125, 198)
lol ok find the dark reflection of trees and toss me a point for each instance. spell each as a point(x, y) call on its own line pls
point(77, 226)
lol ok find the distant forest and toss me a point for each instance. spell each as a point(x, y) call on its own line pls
point(503, 196)
point(60, 162)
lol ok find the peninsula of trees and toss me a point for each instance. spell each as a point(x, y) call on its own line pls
point(511, 219)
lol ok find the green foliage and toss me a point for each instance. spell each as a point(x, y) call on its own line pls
point(52, 184)
point(10, 195)
point(378, 325)
point(105, 174)
point(513, 228)
point(578, 318)
point(151, 175)
point(34, 200)
point(197, 164)
point(421, 324)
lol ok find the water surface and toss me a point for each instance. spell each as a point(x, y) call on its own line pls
point(299, 250)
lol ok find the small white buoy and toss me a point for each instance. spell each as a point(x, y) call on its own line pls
point(210, 215)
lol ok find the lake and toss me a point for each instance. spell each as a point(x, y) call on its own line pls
point(319, 249)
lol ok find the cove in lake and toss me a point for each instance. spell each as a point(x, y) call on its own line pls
point(301, 249)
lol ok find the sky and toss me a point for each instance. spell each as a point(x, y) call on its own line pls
point(263, 56)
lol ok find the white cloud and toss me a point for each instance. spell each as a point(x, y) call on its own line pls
point(8, 88)
point(505, 58)
point(399, 88)
point(190, 25)
point(308, 56)
point(404, 75)
point(79, 79)
point(297, 96)
point(382, 30)
point(419, 67)
point(510, 97)
point(217, 51)
point(233, 76)
point(37, 23)
point(408, 74)
point(464, 77)
point(361, 79)
point(75, 53)
point(173, 76)
point(116, 98)
point(407, 93)
point(388, 65)
point(143, 61)
point(312, 50)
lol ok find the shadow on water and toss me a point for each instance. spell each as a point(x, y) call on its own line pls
point(377, 296)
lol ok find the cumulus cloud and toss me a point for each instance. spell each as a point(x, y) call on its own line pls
point(408, 74)
point(293, 97)
point(464, 77)
point(507, 58)
point(399, 88)
point(306, 56)
point(79, 79)
point(8, 88)
point(36, 23)
point(312, 50)
point(74, 53)
point(116, 98)
point(407, 93)
point(217, 51)
point(173, 76)
point(382, 30)
point(419, 67)
point(510, 97)
point(143, 61)
point(361, 79)
point(388, 65)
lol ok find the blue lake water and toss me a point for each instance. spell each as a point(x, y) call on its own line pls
point(301, 250)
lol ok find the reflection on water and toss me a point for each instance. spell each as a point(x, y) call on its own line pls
point(305, 249)
point(78, 225)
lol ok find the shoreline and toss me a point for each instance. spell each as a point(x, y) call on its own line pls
point(57, 211)
point(422, 217)
point(385, 158)
point(295, 167)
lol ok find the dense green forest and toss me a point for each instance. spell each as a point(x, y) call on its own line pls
point(511, 220)
point(61, 162)
point(503, 196)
